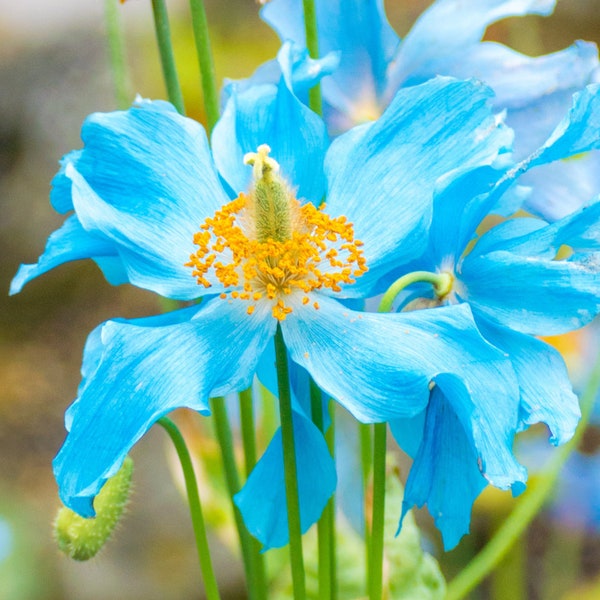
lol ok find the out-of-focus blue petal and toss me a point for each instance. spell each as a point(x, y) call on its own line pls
point(379, 366)
point(70, 242)
point(271, 115)
point(467, 439)
point(262, 499)
point(145, 180)
point(360, 32)
point(394, 166)
point(546, 392)
point(452, 26)
point(142, 373)
point(513, 277)
point(562, 187)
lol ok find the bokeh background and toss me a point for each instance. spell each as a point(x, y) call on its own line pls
point(53, 72)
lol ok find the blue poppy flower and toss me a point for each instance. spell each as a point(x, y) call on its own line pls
point(523, 277)
point(154, 206)
point(446, 40)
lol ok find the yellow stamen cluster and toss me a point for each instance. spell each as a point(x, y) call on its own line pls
point(320, 252)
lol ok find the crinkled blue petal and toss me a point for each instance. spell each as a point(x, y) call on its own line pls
point(272, 115)
point(448, 27)
point(444, 474)
point(146, 181)
point(513, 277)
point(562, 187)
point(546, 392)
point(70, 242)
point(393, 167)
point(379, 366)
point(467, 439)
point(139, 371)
point(262, 499)
point(60, 193)
point(300, 71)
point(360, 32)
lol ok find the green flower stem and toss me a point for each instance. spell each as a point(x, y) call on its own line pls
point(289, 464)
point(247, 425)
point(366, 459)
point(205, 60)
point(249, 443)
point(253, 565)
point(315, 101)
point(323, 525)
point(531, 503)
point(376, 550)
point(330, 510)
point(442, 284)
point(191, 486)
point(116, 53)
point(167, 59)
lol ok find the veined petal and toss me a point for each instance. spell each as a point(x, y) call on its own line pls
point(145, 180)
point(70, 242)
point(393, 166)
point(60, 193)
point(360, 31)
point(142, 373)
point(467, 439)
point(450, 26)
point(271, 115)
point(517, 282)
point(444, 474)
point(379, 366)
point(546, 392)
point(262, 499)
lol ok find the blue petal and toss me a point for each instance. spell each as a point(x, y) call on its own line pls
point(145, 180)
point(262, 500)
point(360, 32)
point(444, 474)
point(137, 372)
point(70, 242)
point(562, 187)
point(546, 393)
point(515, 281)
point(467, 436)
point(452, 26)
point(391, 169)
point(382, 380)
point(271, 115)
point(60, 194)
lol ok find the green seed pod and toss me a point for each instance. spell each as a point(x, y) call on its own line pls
point(82, 538)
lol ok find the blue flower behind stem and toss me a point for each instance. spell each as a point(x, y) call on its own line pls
point(140, 189)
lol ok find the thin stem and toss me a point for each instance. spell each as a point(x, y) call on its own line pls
point(530, 504)
point(366, 459)
point(253, 563)
point(442, 284)
point(248, 432)
point(315, 100)
point(116, 54)
point(206, 62)
point(167, 59)
point(191, 486)
point(289, 464)
point(330, 509)
point(376, 550)
point(323, 525)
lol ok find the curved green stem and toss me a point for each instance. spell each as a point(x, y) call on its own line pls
point(167, 59)
point(205, 60)
point(246, 402)
point(530, 504)
point(442, 284)
point(289, 464)
point(315, 101)
point(116, 54)
point(191, 486)
point(376, 545)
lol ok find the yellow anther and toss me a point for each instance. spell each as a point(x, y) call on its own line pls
point(311, 251)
